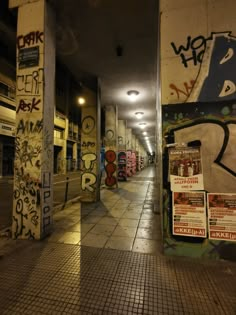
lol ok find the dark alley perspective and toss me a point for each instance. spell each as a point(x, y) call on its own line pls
point(117, 157)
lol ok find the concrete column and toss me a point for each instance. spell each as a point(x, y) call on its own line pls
point(137, 150)
point(129, 151)
point(90, 151)
point(35, 84)
point(133, 154)
point(111, 126)
point(74, 158)
point(121, 160)
point(1, 158)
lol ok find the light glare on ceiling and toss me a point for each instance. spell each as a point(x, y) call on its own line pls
point(133, 94)
point(139, 114)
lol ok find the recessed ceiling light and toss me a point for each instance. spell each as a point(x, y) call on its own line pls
point(133, 94)
point(142, 125)
point(145, 133)
point(139, 114)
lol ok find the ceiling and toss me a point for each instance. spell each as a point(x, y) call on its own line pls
point(117, 42)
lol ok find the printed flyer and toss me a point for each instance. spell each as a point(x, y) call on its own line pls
point(189, 214)
point(185, 169)
point(222, 216)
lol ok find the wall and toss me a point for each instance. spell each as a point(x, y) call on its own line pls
point(198, 90)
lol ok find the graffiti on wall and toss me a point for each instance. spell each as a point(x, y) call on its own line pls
point(200, 123)
point(110, 168)
point(33, 149)
point(215, 56)
point(191, 52)
point(88, 177)
point(184, 90)
point(217, 79)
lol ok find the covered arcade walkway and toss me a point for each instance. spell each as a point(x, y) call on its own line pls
point(106, 258)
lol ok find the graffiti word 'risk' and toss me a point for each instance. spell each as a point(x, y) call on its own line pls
point(28, 106)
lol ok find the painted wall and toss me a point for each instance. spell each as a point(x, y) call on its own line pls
point(198, 78)
point(111, 130)
point(33, 194)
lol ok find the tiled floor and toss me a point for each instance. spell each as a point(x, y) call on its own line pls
point(124, 219)
point(105, 258)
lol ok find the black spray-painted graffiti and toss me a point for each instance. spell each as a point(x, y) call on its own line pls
point(88, 178)
point(28, 106)
point(87, 144)
point(46, 186)
point(88, 124)
point(32, 38)
point(192, 51)
point(27, 197)
point(29, 127)
point(26, 151)
point(31, 83)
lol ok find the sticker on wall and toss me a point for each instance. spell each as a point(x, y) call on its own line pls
point(222, 216)
point(185, 169)
point(189, 214)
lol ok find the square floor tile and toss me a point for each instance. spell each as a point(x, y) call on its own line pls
point(148, 233)
point(91, 219)
point(85, 228)
point(94, 240)
point(146, 246)
point(128, 222)
point(131, 215)
point(120, 242)
point(109, 221)
point(70, 238)
point(75, 228)
point(125, 231)
point(102, 229)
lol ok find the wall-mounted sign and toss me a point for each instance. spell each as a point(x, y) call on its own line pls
point(222, 216)
point(28, 57)
point(189, 214)
point(185, 169)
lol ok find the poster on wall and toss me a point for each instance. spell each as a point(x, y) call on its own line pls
point(222, 216)
point(185, 169)
point(189, 214)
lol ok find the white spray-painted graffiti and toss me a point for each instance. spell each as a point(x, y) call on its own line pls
point(88, 178)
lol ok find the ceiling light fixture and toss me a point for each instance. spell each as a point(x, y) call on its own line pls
point(145, 133)
point(133, 94)
point(139, 114)
point(81, 100)
point(142, 125)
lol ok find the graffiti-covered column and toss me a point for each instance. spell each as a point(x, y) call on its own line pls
point(90, 151)
point(33, 167)
point(129, 151)
point(133, 145)
point(122, 174)
point(111, 127)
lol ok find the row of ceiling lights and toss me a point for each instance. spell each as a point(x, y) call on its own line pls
point(133, 94)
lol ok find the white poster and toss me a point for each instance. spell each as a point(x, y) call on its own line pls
point(189, 213)
point(222, 216)
point(185, 169)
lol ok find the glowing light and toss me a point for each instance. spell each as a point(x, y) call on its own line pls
point(133, 94)
point(81, 100)
point(139, 114)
